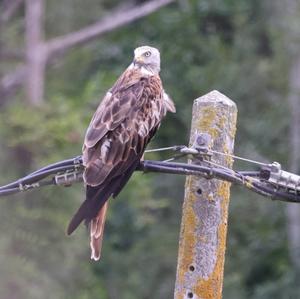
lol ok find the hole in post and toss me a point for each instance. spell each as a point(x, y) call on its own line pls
point(199, 191)
point(191, 268)
point(190, 295)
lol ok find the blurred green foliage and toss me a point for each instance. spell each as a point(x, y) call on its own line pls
point(227, 45)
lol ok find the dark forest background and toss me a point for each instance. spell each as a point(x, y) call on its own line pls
point(52, 77)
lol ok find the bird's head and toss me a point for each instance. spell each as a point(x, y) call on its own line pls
point(147, 57)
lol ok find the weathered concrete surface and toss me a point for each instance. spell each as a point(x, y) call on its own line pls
point(205, 210)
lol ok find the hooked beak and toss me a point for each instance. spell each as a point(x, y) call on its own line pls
point(138, 60)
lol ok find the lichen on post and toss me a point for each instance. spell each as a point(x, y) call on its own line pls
point(205, 209)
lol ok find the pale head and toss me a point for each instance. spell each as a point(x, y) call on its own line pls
point(148, 58)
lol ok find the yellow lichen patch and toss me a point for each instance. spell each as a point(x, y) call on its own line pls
point(206, 122)
point(210, 288)
point(249, 183)
point(232, 130)
point(223, 190)
point(227, 159)
point(187, 245)
point(222, 119)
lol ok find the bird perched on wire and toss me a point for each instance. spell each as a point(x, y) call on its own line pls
point(122, 126)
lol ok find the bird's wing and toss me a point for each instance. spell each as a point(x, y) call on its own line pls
point(170, 106)
point(121, 128)
point(114, 108)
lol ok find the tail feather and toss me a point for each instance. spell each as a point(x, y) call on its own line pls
point(96, 232)
point(95, 198)
point(78, 217)
point(93, 209)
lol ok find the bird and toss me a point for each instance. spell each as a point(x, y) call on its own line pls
point(124, 123)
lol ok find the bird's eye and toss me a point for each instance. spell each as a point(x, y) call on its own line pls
point(147, 54)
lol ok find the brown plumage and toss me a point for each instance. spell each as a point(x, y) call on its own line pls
point(124, 123)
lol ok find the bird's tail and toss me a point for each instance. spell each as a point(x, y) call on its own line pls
point(93, 209)
point(93, 212)
point(96, 232)
point(95, 199)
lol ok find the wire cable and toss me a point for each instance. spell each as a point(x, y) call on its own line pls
point(180, 147)
point(239, 158)
point(69, 171)
point(175, 148)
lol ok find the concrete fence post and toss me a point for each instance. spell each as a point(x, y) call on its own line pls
point(205, 210)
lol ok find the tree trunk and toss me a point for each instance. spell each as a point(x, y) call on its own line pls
point(35, 51)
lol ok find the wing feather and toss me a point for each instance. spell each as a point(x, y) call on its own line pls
point(117, 136)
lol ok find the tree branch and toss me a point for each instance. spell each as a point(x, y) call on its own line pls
point(110, 23)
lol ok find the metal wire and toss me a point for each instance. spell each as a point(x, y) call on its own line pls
point(239, 158)
point(175, 147)
point(179, 147)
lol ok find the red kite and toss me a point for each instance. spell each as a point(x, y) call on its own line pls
point(123, 125)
